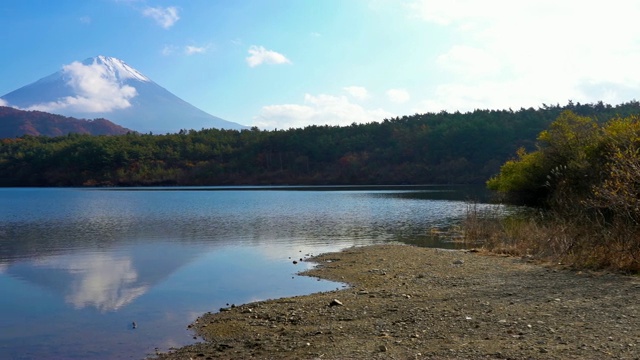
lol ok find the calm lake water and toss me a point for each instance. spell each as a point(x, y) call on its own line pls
point(78, 266)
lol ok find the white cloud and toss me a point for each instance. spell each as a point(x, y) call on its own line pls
point(259, 55)
point(168, 50)
point(97, 91)
point(317, 110)
point(3, 102)
point(85, 19)
point(190, 50)
point(469, 61)
point(187, 50)
point(523, 53)
point(451, 11)
point(515, 93)
point(165, 17)
point(399, 96)
point(357, 92)
point(98, 280)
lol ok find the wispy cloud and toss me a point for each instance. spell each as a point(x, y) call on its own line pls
point(97, 91)
point(259, 55)
point(85, 19)
point(318, 110)
point(165, 17)
point(398, 96)
point(190, 49)
point(470, 62)
point(524, 53)
point(3, 102)
point(357, 92)
point(168, 50)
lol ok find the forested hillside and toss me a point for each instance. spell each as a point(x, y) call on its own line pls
point(419, 149)
point(14, 123)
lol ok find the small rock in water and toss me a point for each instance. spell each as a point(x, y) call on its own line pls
point(458, 262)
point(294, 262)
point(134, 325)
point(336, 302)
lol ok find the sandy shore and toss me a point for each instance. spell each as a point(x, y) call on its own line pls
point(407, 302)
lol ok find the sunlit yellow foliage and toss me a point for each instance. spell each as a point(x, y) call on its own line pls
point(570, 138)
point(620, 128)
point(579, 163)
point(619, 189)
point(520, 174)
point(591, 174)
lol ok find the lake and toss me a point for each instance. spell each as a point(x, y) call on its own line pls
point(79, 266)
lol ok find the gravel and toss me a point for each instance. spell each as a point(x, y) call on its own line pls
point(406, 302)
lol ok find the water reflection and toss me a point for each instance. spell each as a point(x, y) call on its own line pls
point(103, 282)
point(81, 265)
point(106, 280)
point(98, 280)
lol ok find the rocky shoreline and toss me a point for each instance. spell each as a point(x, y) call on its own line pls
point(407, 302)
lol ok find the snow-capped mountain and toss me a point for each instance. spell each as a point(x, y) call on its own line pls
point(106, 87)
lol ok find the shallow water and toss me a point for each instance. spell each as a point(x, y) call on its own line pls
point(79, 266)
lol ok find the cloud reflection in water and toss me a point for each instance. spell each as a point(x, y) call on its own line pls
point(102, 280)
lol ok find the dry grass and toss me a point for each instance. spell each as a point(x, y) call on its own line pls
point(574, 240)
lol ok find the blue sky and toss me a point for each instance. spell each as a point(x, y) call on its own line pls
point(291, 63)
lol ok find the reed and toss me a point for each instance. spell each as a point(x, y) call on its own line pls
point(580, 241)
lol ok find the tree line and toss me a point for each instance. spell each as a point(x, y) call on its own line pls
point(432, 148)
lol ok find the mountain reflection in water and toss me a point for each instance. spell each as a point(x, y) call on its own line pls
point(78, 266)
point(106, 280)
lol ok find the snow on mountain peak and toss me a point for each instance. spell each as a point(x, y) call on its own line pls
point(107, 87)
point(117, 68)
point(97, 85)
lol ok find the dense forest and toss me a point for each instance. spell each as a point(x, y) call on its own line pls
point(14, 123)
point(432, 148)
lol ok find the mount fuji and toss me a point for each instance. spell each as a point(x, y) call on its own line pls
point(106, 87)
